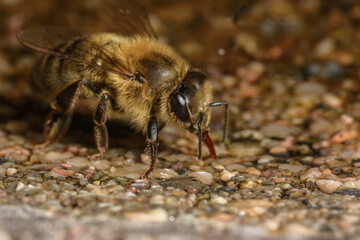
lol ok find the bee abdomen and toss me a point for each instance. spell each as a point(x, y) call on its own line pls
point(52, 73)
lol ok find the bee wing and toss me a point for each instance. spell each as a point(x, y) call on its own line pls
point(126, 18)
point(51, 40)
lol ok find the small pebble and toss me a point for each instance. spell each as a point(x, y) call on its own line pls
point(312, 173)
point(280, 130)
point(78, 175)
point(245, 149)
point(157, 200)
point(235, 167)
point(325, 47)
point(218, 166)
point(140, 183)
point(178, 166)
point(325, 172)
point(171, 201)
point(154, 215)
point(192, 190)
point(343, 136)
point(292, 167)
point(277, 150)
point(247, 184)
point(17, 153)
point(11, 171)
point(216, 200)
point(56, 157)
point(20, 186)
point(352, 184)
point(202, 176)
point(101, 164)
point(347, 119)
point(265, 159)
point(145, 158)
point(164, 173)
point(226, 175)
point(78, 162)
point(83, 181)
point(194, 167)
point(178, 193)
point(134, 171)
point(253, 171)
point(271, 173)
point(73, 149)
point(63, 172)
point(328, 186)
point(332, 100)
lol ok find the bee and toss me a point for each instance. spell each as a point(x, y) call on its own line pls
point(126, 71)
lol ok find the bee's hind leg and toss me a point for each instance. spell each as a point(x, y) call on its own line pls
point(100, 130)
point(59, 118)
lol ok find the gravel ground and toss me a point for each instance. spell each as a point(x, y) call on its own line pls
point(289, 169)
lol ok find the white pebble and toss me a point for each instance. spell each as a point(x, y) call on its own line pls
point(202, 176)
point(164, 173)
point(332, 100)
point(154, 215)
point(227, 175)
point(19, 186)
point(352, 184)
point(11, 171)
point(328, 186)
point(265, 159)
point(324, 47)
point(218, 200)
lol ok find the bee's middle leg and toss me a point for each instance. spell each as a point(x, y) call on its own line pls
point(100, 130)
point(60, 116)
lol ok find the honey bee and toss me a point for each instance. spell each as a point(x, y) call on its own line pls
point(130, 72)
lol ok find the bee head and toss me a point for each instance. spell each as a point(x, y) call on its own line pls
point(189, 101)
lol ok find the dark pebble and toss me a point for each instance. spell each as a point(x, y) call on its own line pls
point(122, 180)
point(6, 159)
point(98, 175)
point(226, 189)
point(182, 171)
point(329, 69)
point(349, 191)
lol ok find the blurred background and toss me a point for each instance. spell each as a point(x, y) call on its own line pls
point(272, 60)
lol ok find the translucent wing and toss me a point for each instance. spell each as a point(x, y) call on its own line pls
point(126, 18)
point(53, 41)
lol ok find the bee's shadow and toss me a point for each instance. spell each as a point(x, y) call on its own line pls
point(81, 129)
point(120, 133)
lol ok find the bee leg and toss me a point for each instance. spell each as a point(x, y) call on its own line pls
point(153, 143)
point(59, 119)
point(100, 130)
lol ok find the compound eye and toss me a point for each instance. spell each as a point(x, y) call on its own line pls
point(178, 105)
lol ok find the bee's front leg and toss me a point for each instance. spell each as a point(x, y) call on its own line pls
point(100, 130)
point(153, 143)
